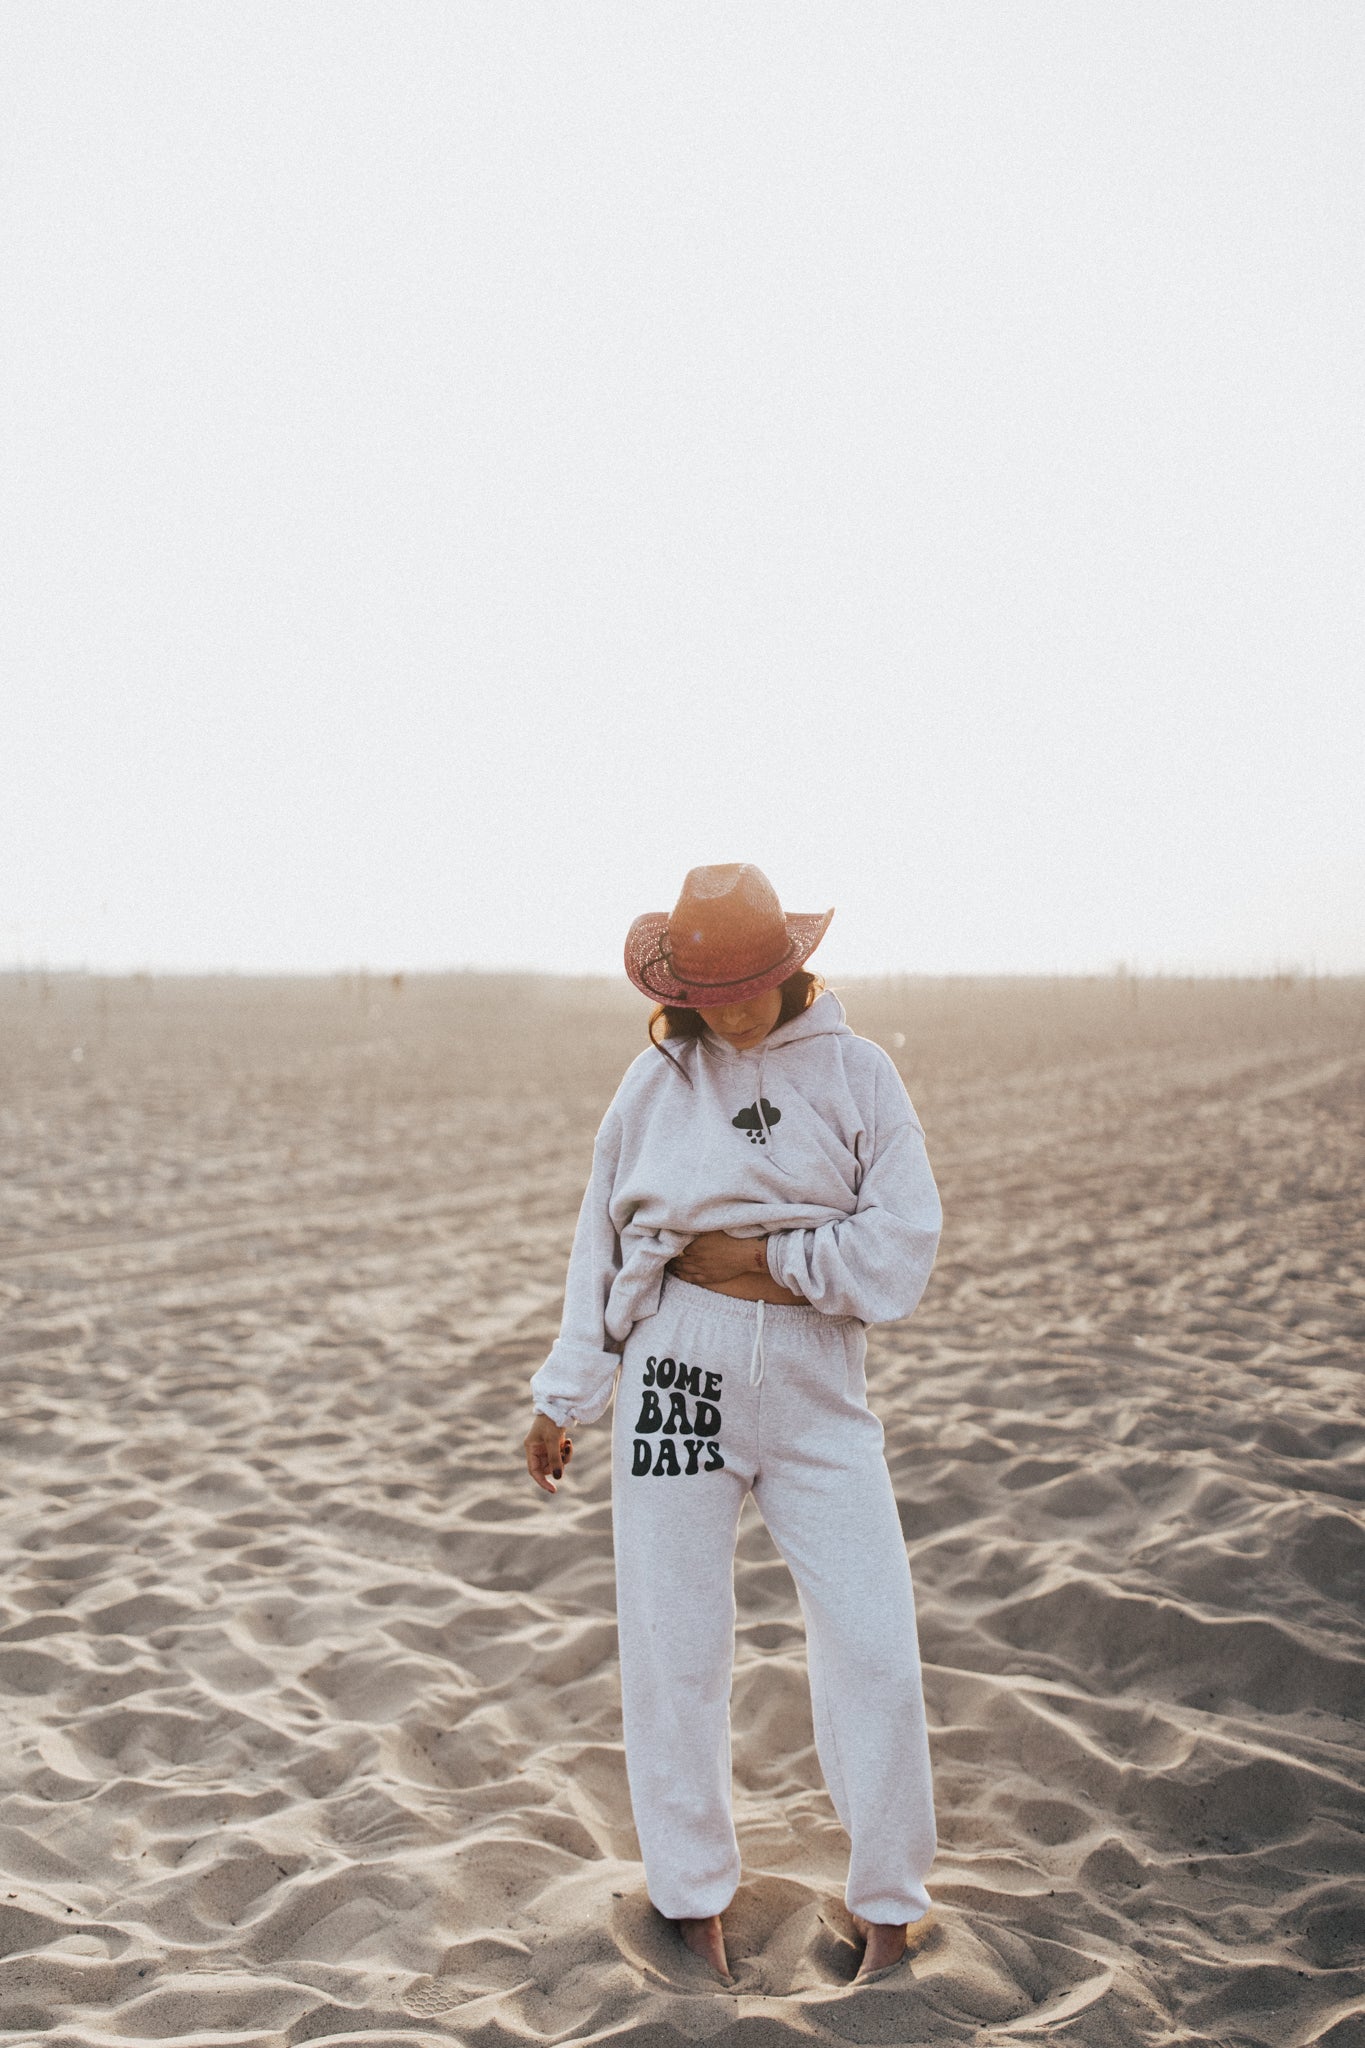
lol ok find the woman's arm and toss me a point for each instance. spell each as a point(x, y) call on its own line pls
point(874, 1264)
point(574, 1384)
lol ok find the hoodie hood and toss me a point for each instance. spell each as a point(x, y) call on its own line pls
point(824, 1018)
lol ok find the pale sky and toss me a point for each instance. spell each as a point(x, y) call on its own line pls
point(465, 465)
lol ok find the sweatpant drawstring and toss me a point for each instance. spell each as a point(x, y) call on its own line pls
point(756, 1356)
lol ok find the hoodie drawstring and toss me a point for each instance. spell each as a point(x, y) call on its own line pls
point(763, 1123)
point(761, 1107)
point(756, 1356)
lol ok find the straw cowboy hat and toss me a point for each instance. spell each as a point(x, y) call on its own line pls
point(728, 939)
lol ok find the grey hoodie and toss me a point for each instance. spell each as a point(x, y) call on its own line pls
point(809, 1140)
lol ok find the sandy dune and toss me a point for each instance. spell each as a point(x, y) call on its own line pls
point(311, 1699)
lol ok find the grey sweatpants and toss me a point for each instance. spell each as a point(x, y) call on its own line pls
point(718, 1398)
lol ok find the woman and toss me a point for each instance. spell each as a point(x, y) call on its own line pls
point(759, 1194)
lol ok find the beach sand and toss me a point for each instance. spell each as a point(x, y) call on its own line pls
point(311, 1700)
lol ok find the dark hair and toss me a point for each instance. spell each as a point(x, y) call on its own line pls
point(799, 991)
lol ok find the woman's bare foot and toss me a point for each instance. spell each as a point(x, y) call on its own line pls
point(886, 1944)
point(705, 1939)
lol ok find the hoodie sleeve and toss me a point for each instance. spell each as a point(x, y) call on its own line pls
point(874, 1264)
point(575, 1383)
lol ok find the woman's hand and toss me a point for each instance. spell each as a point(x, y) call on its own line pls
point(548, 1451)
point(715, 1255)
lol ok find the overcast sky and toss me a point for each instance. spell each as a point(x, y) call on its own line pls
point(466, 464)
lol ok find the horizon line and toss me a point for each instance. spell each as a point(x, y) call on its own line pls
point(1290, 970)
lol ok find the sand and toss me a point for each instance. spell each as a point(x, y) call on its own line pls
point(311, 1702)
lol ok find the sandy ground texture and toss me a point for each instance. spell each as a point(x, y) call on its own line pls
point(311, 1701)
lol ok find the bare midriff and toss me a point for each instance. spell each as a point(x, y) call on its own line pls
point(757, 1287)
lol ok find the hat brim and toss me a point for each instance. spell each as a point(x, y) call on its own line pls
point(648, 967)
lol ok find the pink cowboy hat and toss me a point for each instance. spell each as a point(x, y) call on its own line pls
point(727, 939)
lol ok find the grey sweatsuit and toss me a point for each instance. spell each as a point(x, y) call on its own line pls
point(810, 1141)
